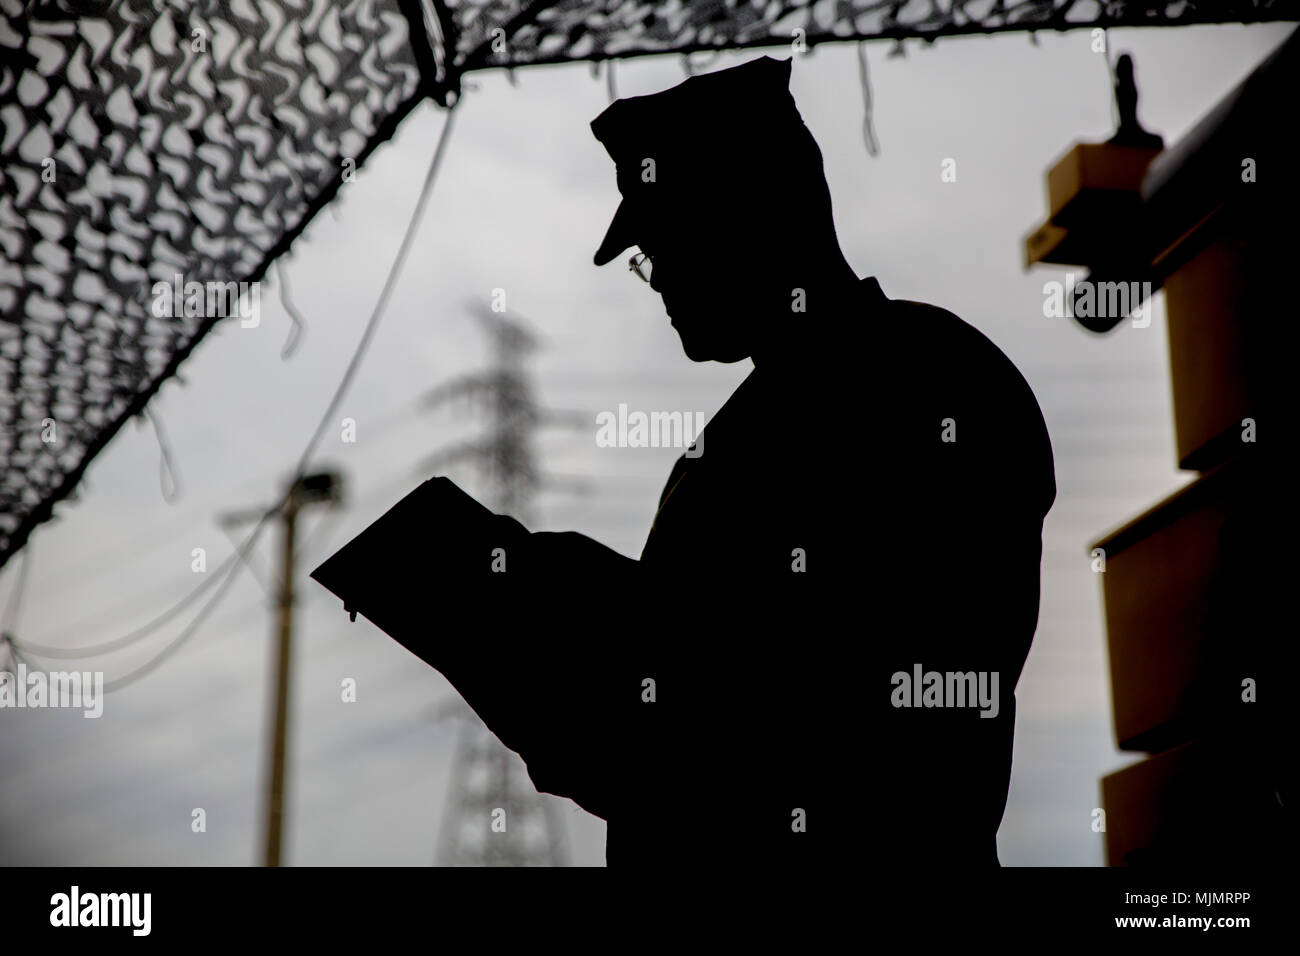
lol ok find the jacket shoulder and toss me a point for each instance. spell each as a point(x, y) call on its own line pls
point(947, 357)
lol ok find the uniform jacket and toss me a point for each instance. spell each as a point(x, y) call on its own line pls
point(757, 689)
point(876, 512)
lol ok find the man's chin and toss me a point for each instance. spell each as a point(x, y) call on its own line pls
point(698, 351)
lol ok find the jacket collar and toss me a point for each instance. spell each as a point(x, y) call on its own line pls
point(871, 290)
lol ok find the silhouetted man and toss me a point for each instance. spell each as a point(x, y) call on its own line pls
point(870, 500)
point(813, 661)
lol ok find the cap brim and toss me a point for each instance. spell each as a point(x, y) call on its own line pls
point(618, 237)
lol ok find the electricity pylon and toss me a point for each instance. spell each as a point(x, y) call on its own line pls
point(494, 815)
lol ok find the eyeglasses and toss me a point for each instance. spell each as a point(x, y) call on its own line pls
point(642, 265)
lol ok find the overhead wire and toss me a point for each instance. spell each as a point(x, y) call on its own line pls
point(225, 574)
point(136, 634)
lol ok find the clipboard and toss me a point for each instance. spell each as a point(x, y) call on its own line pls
point(426, 567)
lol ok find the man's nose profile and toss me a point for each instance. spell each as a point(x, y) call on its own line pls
point(724, 193)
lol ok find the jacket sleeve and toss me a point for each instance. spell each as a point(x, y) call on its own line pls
point(547, 679)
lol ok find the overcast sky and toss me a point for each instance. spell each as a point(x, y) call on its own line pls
point(523, 198)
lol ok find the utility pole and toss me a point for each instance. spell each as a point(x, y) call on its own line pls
point(310, 489)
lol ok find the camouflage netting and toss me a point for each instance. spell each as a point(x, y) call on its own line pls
point(144, 140)
point(558, 32)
